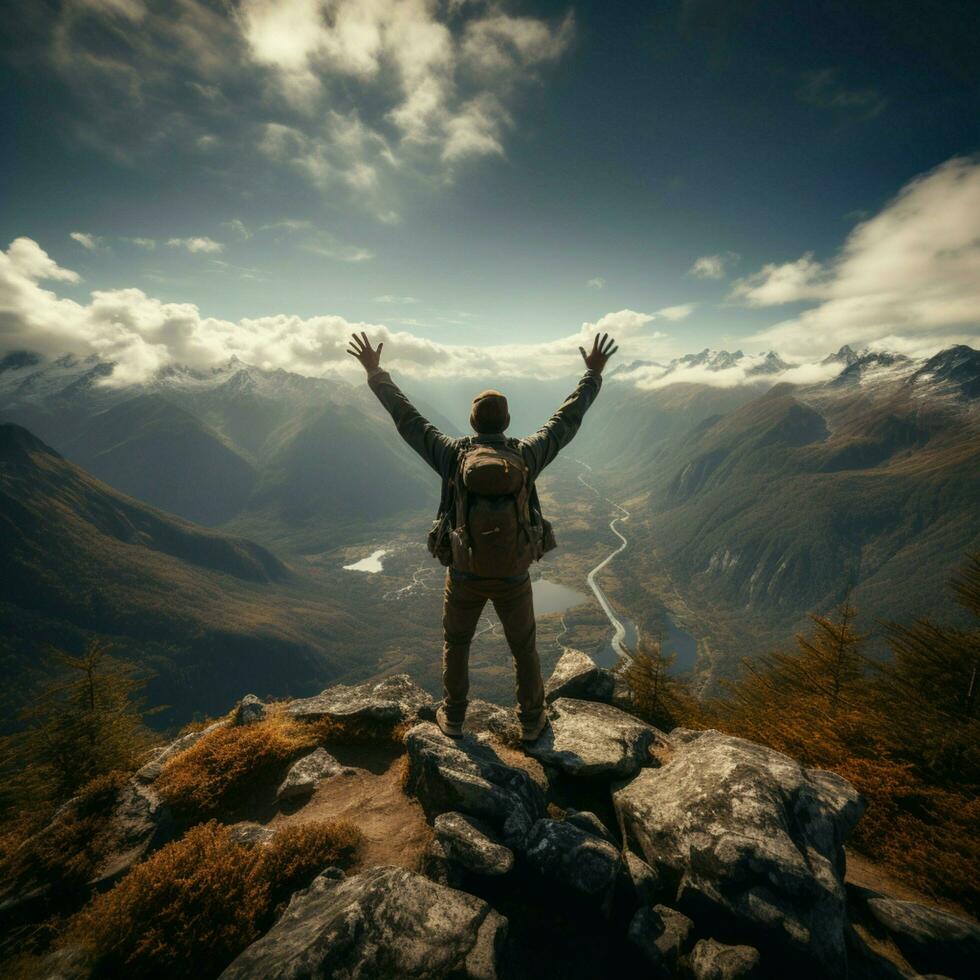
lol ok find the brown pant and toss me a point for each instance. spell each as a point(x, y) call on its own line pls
point(461, 611)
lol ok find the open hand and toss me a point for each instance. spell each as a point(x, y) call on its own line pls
point(602, 350)
point(360, 347)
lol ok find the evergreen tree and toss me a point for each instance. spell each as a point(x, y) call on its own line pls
point(929, 689)
point(85, 723)
point(657, 697)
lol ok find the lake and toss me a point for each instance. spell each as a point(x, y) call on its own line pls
point(370, 564)
point(550, 597)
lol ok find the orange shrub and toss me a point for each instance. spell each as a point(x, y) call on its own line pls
point(189, 909)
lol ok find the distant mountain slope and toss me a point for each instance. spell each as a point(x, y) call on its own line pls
point(210, 613)
point(776, 507)
point(290, 458)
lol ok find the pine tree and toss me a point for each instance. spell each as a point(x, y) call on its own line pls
point(930, 690)
point(84, 724)
point(657, 697)
point(828, 665)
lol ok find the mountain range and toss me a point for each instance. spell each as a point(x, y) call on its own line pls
point(753, 501)
point(761, 506)
point(206, 612)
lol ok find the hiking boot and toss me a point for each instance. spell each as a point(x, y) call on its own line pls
point(454, 729)
point(533, 729)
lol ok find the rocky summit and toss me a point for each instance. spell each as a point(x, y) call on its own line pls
point(607, 847)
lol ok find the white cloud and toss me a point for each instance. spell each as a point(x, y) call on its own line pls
point(680, 312)
point(87, 241)
point(908, 278)
point(596, 283)
point(239, 228)
point(148, 243)
point(200, 243)
point(326, 245)
point(400, 300)
point(142, 334)
point(774, 285)
point(712, 266)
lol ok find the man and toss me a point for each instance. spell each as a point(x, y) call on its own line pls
point(490, 526)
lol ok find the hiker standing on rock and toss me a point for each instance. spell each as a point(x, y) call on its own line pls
point(489, 528)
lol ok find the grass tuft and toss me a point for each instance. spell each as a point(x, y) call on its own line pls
point(189, 909)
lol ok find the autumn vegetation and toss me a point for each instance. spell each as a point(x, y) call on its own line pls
point(905, 730)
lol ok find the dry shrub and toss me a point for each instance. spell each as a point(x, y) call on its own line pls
point(189, 909)
point(215, 771)
point(68, 852)
point(299, 852)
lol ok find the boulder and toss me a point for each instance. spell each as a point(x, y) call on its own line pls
point(487, 720)
point(663, 934)
point(576, 675)
point(933, 941)
point(650, 887)
point(67, 963)
point(386, 922)
point(467, 775)
point(586, 738)
point(472, 844)
point(754, 843)
point(141, 823)
point(565, 853)
point(711, 960)
point(586, 820)
point(437, 865)
point(381, 705)
point(151, 770)
point(249, 710)
point(305, 773)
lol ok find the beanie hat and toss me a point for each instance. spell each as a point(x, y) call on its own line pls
point(489, 413)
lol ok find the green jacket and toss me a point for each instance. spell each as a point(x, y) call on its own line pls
point(441, 452)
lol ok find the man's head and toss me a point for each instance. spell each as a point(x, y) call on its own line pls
point(489, 414)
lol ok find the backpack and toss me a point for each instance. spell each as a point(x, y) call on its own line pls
point(494, 535)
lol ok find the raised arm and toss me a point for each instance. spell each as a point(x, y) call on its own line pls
point(435, 448)
point(541, 448)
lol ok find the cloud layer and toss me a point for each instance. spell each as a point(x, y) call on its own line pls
point(357, 96)
point(907, 279)
point(142, 334)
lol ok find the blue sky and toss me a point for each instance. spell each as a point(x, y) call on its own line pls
point(487, 178)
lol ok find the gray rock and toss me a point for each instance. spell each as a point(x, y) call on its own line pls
point(68, 963)
point(576, 675)
point(391, 702)
point(663, 934)
point(485, 719)
point(438, 866)
point(586, 820)
point(151, 770)
point(565, 853)
point(305, 773)
point(651, 888)
point(386, 922)
point(590, 739)
point(711, 960)
point(472, 844)
point(467, 775)
point(249, 710)
point(931, 940)
point(754, 842)
point(251, 834)
point(141, 823)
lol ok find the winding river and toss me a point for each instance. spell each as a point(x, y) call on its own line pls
point(624, 634)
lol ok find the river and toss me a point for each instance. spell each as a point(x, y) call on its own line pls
point(626, 634)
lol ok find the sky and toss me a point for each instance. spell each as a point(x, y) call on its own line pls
point(484, 184)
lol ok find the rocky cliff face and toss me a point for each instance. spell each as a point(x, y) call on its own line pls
point(607, 846)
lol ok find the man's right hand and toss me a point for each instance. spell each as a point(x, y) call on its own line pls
point(360, 347)
point(602, 350)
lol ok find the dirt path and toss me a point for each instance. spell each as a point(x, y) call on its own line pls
point(371, 796)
